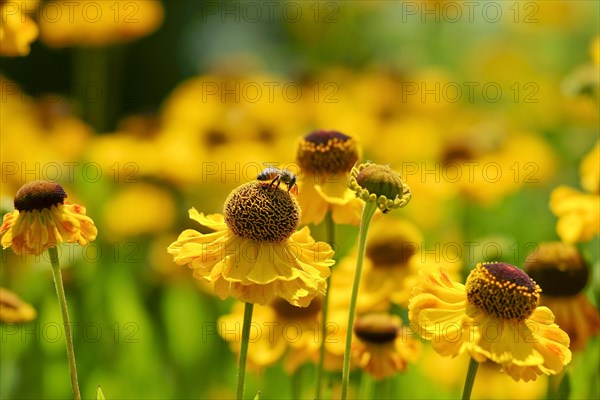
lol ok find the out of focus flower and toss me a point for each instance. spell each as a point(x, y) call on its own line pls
point(140, 208)
point(13, 309)
point(283, 330)
point(562, 274)
point(255, 253)
point(383, 347)
point(17, 29)
point(578, 212)
point(393, 258)
point(42, 219)
point(42, 137)
point(325, 158)
point(495, 316)
point(98, 23)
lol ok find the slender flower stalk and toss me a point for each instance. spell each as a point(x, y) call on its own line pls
point(241, 379)
point(470, 379)
point(367, 215)
point(330, 226)
point(380, 188)
point(62, 301)
point(42, 219)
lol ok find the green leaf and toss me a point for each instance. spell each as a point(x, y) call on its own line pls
point(257, 397)
point(99, 394)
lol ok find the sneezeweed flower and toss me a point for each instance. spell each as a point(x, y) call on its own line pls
point(380, 188)
point(579, 212)
point(563, 275)
point(17, 29)
point(13, 309)
point(383, 346)
point(42, 219)
point(379, 184)
point(495, 316)
point(325, 158)
point(255, 254)
point(282, 330)
point(116, 22)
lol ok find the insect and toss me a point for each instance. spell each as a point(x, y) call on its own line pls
point(279, 175)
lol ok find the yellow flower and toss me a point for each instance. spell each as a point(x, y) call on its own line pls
point(17, 29)
point(325, 158)
point(382, 346)
point(278, 329)
point(495, 316)
point(43, 219)
point(255, 253)
point(138, 209)
point(562, 274)
point(13, 309)
point(92, 23)
point(579, 213)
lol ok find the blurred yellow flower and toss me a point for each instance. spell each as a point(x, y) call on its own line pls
point(17, 29)
point(13, 309)
point(563, 275)
point(41, 140)
point(42, 219)
point(495, 316)
point(255, 253)
point(325, 158)
point(92, 23)
point(579, 213)
point(139, 208)
point(383, 346)
point(280, 330)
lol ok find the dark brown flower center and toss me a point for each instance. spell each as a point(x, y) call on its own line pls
point(327, 152)
point(288, 311)
point(502, 290)
point(391, 251)
point(558, 268)
point(376, 328)
point(261, 212)
point(38, 195)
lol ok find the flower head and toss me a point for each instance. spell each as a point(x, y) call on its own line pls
point(255, 253)
point(562, 274)
point(494, 317)
point(382, 347)
point(325, 158)
point(380, 184)
point(42, 218)
point(326, 152)
point(291, 332)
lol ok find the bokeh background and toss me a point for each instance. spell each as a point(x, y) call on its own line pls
point(143, 109)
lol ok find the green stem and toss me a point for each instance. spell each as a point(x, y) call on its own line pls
point(366, 387)
point(62, 300)
point(248, 307)
point(297, 383)
point(330, 226)
point(367, 215)
point(470, 380)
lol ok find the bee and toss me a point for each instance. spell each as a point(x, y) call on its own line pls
point(279, 175)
